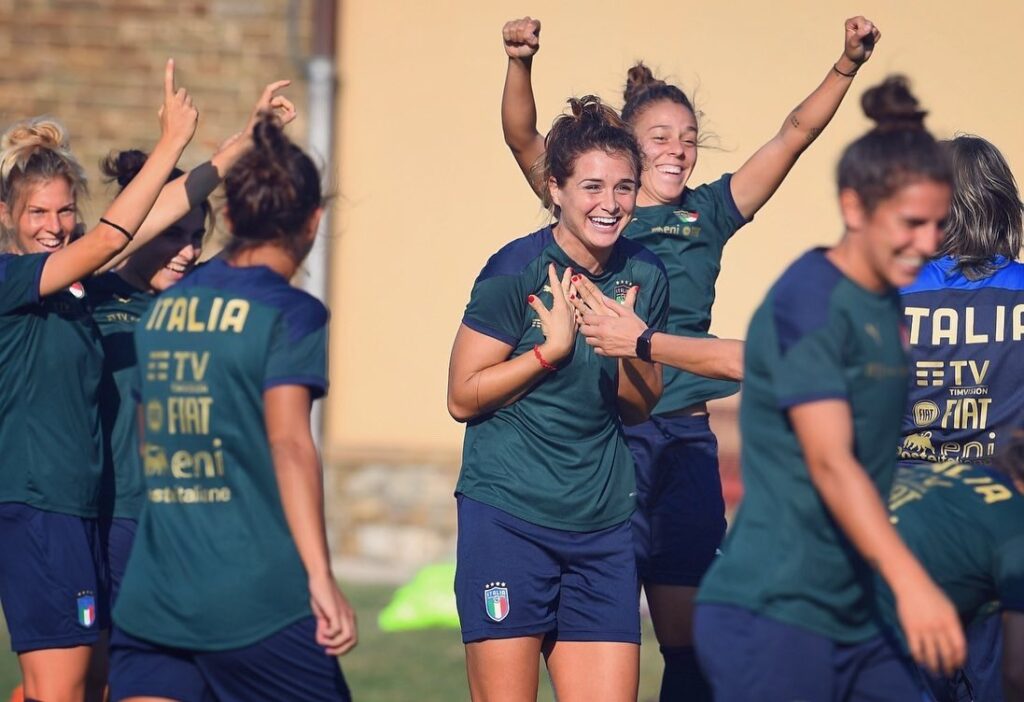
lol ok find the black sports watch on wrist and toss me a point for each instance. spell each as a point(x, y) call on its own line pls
point(643, 344)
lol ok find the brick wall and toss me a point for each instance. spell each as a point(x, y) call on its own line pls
point(97, 66)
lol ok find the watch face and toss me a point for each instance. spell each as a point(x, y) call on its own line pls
point(643, 346)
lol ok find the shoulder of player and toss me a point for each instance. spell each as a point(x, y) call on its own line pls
point(802, 299)
point(642, 259)
point(515, 257)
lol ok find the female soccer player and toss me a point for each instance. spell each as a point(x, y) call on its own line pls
point(50, 373)
point(117, 300)
point(965, 524)
point(963, 317)
point(229, 593)
point(545, 559)
point(680, 519)
point(788, 609)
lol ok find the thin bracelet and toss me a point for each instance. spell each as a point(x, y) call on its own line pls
point(543, 364)
point(835, 67)
point(119, 228)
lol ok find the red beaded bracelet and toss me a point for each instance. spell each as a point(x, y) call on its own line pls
point(544, 364)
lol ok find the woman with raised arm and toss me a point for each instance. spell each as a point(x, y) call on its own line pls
point(50, 374)
point(117, 299)
point(788, 609)
point(231, 359)
point(680, 519)
point(545, 557)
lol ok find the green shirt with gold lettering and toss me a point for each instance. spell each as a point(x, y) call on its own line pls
point(51, 362)
point(556, 457)
point(817, 336)
point(214, 566)
point(689, 238)
point(116, 308)
point(965, 524)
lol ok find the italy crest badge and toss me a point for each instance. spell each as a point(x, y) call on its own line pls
point(496, 600)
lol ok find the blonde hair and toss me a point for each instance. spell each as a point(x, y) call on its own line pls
point(35, 151)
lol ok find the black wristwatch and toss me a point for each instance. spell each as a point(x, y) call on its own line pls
point(643, 344)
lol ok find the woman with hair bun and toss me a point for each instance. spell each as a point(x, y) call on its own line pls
point(50, 369)
point(789, 609)
point(545, 557)
point(119, 298)
point(680, 518)
point(229, 593)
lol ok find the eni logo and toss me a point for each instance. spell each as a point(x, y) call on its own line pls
point(919, 443)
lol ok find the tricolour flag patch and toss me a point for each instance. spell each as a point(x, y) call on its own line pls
point(496, 601)
point(86, 610)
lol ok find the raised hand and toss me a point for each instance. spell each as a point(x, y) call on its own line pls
point(278, 105)
point(178, 116)
point(559, 323)
point(861, 37)
point(521, 37)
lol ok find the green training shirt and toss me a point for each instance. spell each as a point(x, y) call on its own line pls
point(689, 238)
point(965, 524)
point(556, 457)
point(214, 565)
point(116, 308)
point(816, 336)
point(50, 368)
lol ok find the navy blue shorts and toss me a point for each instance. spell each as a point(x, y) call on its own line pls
point(51, 578)
point(118, 536)
point(287, 665)
point(514, 578)
point(981, 679)
point(746, 657)
point(679, 521)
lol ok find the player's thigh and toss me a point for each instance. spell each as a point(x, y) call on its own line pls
point(594, 671)
point(504, 670)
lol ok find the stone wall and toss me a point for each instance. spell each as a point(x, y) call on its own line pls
point(97, 65)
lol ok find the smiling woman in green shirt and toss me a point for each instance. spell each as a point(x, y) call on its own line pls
point(545, 552)
point(788, 608)
point(680, 518)
point(50, 367)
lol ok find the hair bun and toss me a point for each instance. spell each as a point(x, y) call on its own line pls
point(638, 79)
point(123, 166)
point(41, 131)
point(892, 106)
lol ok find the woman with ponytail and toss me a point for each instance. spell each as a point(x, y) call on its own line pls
point(229, 593)
point(788, 610)
point(118, 299)
point(51, 562)
point(544, 560)
point(680, 518)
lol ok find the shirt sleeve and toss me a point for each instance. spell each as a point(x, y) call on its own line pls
point(809, 365)
point(497, 307)
point(654, 309)
point(298, 352)
point(725, 214)
point(19, 280)
point(1009, 574)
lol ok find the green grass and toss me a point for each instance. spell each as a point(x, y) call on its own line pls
point(418, 666)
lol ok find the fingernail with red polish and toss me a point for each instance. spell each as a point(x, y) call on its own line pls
point(529, 298)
